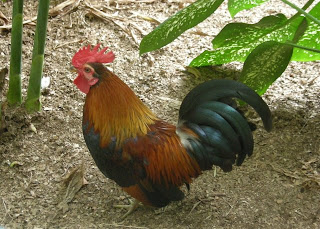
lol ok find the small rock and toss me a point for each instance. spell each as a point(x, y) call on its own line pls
point(45, 82)
point(32, 128)
point(279, 201)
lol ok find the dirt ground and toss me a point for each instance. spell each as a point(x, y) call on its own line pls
point(275, 188)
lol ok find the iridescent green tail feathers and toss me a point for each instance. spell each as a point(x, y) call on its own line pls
point(224, 134)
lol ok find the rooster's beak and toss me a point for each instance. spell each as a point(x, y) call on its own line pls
point(73, 69)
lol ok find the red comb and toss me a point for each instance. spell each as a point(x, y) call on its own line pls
point(88, 55)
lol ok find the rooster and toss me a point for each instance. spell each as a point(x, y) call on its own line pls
point(148, 157)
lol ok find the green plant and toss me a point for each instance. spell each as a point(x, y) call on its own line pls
point(14, 94)
point(33, 96)
point(174, 26)
point(266, 47)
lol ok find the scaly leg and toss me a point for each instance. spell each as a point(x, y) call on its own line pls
point(131, 207)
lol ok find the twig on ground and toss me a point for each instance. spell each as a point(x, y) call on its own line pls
point(125, 226)
point(137, 28)
point(6, 210)
point(231, 207)
point(61, 9)
point(146, 18)
point(182, 1)
point(194, 206)
point(308, 176)
point(311, 82)
point(28, 183)
point(199, 32)
point(110, 18)
point(134, 37)
point(102, 14)
point(4, 18)
point(204, 200)
point(29, 22)
point(66, 43)
point(64, 8)
point(130, 1)
point(299, 213)
point(284, 172)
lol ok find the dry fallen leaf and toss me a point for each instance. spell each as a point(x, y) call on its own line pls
point(64, 8)
point(146, 18)
point(200, 33)
point(3, 73)
point(193, 71)
point(71, 185)
point(4, 18)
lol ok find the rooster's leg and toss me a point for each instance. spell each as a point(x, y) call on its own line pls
point(131, 207)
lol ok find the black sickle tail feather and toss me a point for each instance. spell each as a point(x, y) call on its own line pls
point(223, 131)
point(220, 90)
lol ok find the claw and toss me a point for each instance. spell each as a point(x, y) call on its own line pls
point(131, 207)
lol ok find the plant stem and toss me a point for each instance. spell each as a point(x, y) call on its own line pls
point(302, 11)
point(14, 92)
point(33, 95)
point(306, 6)
point(302, 47)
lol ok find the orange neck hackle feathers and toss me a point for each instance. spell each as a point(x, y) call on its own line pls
point(114, 110)
point(111, 107)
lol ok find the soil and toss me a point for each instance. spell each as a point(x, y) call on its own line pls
point(278, 187)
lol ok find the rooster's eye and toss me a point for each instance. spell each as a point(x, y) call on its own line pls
point(87, 70)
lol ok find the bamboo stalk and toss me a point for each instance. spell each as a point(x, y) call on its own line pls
point(14, 92)
point(33, 96)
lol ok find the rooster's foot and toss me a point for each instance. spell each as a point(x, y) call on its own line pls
point(131, 207)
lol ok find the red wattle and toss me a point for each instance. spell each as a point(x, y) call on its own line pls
point(82, 84)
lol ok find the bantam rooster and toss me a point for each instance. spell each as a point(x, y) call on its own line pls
point(148, 157)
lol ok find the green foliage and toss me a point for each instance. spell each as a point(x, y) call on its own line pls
point(14, 93)
point(265, 64)
point(311, 17)
point(266, 47)
point(268, 61)
point(236, 40)
point(235, 6)
point(33, 96)
point(177, 24)
point(309, 39)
